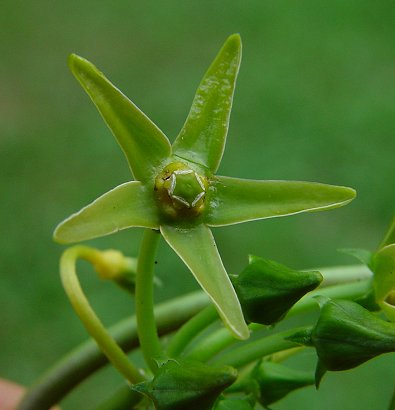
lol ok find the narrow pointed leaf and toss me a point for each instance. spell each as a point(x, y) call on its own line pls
point(127, 205)
point(197, 248)
point(202, 138)
point(143, 143)
point(234, 200)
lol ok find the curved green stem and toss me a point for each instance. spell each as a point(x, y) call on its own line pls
point(146, 326)
point(191, 329)
point(87, 315)
point(249, 352)
point(221, 339)
point(86, 359)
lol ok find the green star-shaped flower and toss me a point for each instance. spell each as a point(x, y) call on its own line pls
point(176, 189)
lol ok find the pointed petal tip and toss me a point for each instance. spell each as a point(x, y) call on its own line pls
point(234, 38)
point(57, 238)
point(351, 191)
point(60, 235)
point(196, 248)
point(73, 59)
point(349, 194)
point(243, 333)
point(233, 42)
point(78, 64)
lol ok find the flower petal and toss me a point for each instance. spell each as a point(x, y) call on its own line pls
point(202, 138)
point(234, 200)
point(127, 205)
point(143, 143)
point(197, 248)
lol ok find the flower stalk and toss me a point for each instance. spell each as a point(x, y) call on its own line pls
point(87, 315)
point(146, 326)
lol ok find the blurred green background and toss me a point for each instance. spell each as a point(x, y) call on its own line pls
point(315, 101)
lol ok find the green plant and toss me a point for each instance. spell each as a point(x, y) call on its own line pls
point(177, 195)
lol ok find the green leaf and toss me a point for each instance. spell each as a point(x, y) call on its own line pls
point(127, 205)
point(197, 248)
point(180, 385)
point(384, 279)
point(203, 136)
point(144, 144)
point(234, 200)
point(267, 289)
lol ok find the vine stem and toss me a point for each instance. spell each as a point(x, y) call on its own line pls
point(87, 358)
point(87, 315)
point(144, 296)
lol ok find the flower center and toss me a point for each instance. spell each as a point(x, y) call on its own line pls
point(180, 190)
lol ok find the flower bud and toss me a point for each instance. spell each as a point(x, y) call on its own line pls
point(180, 191)
point(276, 381)
point(113, 265)
point(180, 385)
point(347, 335)
point(267, 289)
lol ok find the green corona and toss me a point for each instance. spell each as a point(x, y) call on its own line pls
point(180, 190)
